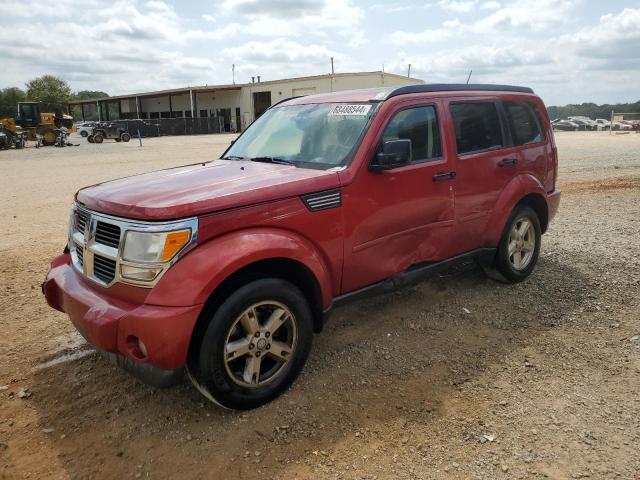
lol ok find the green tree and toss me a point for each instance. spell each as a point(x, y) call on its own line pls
point(89, 94)
point(9, 97)
point(52, 91)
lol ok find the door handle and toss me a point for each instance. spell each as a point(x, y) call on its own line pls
point(505, 162)
point(443, 176)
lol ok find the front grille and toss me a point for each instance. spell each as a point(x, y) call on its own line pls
point(108, 234)
point(81, 220)
point(79, 254)
point(104, 268)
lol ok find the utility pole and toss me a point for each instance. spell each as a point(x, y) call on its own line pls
point(332, 70)
point(469, 77)
point(233, 73)
point(409, 71)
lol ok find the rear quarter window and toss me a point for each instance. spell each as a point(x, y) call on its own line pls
point(524, 122)
point(477, 127)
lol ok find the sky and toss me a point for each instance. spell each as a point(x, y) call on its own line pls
point(568, 51)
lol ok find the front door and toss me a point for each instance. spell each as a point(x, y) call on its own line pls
point(401, 217)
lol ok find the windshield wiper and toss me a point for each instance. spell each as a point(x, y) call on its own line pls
point(280, 161)
point(233, 157)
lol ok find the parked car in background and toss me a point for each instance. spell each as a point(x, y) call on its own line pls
point(85, 129)
point(620, 126)
point(566, 126)
point(603, 124)
point(586, 121)
point(635, 124)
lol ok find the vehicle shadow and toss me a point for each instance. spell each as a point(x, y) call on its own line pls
point(395, 359)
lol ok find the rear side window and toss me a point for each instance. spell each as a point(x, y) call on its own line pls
point(477, 126)
point(523, 122)
point(420, 125)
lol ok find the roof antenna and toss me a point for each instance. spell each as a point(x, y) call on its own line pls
point(469, 77)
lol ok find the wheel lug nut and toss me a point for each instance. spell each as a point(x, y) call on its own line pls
point(257, 334)
point(257, 354)
point(267, 334)
point(251, 345)
point(268, 346)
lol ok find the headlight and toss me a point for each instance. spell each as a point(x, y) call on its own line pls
point(147, 247)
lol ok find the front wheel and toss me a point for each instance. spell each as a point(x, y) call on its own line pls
point(84, 133)
point(255, 345)
point(97, 138)
point(125, 137)
point(520, 245)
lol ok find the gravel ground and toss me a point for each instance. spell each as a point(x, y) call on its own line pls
point(537, 380)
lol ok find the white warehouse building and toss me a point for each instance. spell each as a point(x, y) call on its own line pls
point(229, 108)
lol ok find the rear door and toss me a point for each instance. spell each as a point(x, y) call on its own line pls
point(535, 153)
point(485, 162)
point(403, 216)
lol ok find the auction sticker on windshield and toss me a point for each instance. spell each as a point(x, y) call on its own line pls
point(357, 110)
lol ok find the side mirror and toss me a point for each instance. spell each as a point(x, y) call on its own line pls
point(395, 153)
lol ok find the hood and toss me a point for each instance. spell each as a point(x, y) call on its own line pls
point(202, 188)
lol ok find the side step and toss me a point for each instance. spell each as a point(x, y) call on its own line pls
point(416, 274)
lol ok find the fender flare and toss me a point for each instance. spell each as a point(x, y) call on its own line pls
point(196, 276)
point(517, 188)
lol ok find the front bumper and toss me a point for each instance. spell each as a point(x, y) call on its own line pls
point(116, 326)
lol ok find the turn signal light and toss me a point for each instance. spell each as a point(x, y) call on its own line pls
point(174, 242)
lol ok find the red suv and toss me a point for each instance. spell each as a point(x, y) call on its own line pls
point(227, 268)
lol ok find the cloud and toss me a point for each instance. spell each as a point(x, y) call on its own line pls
point(458, 6)
point(290, 8)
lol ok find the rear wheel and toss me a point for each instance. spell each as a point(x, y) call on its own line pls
point(520, 245)
point(98, 138)
point(48, 136)
point(90, 139)
point(84, 133)
point(8, 137)
point(255, 345)
point(125, 137)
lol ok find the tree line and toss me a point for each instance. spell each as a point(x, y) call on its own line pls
point(54, 93)
point(592, 110)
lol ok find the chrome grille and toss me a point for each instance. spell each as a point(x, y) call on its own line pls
point(81, 220)
point(104, 268)
point(96, 251)
point(79, 254)
point(108, 234)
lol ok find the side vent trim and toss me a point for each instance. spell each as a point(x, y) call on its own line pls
point(323, 200)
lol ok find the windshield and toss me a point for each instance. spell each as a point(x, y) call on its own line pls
point(314, 136)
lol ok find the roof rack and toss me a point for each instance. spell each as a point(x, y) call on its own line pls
point(454, 87)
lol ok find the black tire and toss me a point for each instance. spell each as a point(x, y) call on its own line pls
point(125, 137)
point(9, 139)
point(48, 136)
point(84, 133)
point(98, 138)
point(504, 263)
point(118, 140)
point(90, 139)
point(208, 370)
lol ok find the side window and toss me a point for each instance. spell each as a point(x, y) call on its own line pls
point(420, 125)
point(523, 122)
point(477, 126)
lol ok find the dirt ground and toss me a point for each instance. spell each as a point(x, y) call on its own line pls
point(460, 377)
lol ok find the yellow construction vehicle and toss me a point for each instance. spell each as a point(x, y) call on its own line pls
point(31, 124)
